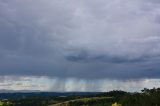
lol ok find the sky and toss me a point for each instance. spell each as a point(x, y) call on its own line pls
point(84, 45)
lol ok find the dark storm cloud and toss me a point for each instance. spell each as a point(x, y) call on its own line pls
point(82, 56)
point(82, 39)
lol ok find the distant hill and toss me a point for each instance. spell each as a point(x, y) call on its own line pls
point(5, 94)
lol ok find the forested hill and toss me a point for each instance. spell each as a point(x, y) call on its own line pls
point(17, 94)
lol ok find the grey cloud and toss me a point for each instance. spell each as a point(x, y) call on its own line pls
point(74, 84)
point(103, 38)
point(84, 57)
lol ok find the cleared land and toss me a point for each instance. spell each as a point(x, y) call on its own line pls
point(84, 101)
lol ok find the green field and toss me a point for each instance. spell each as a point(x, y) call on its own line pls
point(92, 101)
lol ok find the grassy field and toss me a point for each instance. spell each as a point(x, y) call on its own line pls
point(92, 101)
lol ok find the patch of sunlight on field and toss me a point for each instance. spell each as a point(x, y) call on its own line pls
point(116, 104)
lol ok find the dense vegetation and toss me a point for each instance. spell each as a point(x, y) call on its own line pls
point(148, 97)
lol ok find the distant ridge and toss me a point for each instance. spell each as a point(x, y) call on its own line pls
point(8, 94)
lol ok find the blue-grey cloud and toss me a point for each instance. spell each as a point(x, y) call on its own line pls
point(89, 39)
point(73, 84)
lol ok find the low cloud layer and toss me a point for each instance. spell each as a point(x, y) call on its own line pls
point(44, 83)
point(88, 39)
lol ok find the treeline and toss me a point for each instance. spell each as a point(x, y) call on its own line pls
point(148, 97)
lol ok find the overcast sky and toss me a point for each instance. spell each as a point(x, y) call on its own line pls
point(79, 43)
